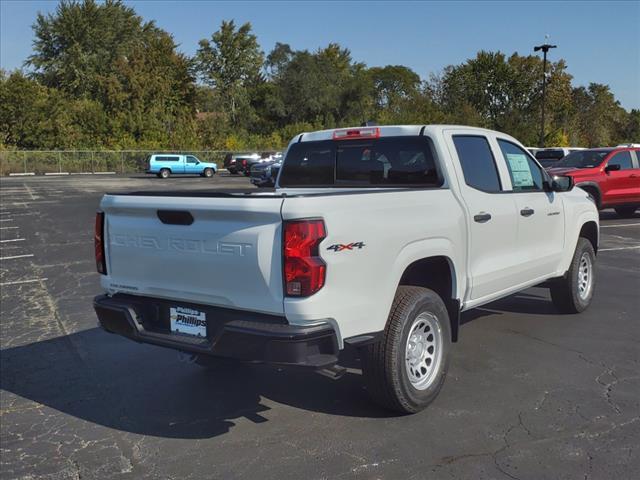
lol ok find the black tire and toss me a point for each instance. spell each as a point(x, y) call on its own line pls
point(565, 291)
point(383, 363)
point(165, 173)
point(626, 212)
point(232, 171)
point(208, 172)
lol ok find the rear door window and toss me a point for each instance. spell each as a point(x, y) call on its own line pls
point(478, 164)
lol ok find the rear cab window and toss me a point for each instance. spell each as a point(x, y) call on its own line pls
point(404, 161)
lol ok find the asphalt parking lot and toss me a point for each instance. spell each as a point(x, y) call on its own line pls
point(530, 394)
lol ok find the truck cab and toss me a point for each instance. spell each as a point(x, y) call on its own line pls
point(163, 165)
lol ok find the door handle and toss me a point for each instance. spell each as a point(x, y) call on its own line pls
point(527, 212)
point(633, 175)
point(482, 217)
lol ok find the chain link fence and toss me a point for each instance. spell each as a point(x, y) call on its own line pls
point(61, 162)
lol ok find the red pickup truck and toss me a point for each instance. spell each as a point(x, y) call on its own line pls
point(610, 175)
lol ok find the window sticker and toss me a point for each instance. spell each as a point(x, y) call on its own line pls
point(520, 171)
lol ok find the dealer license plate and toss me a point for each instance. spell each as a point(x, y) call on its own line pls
point(188, 321)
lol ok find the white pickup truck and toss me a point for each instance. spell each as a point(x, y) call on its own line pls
point(375, 238)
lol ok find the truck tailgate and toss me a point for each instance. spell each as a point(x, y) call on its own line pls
point(230, 255)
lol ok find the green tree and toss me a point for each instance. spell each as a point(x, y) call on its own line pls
point(127, 72)
point(230, 62)
point(325, 88)
point(392, 84)
point(598, 117)
point(632, 128)
point(78, 45)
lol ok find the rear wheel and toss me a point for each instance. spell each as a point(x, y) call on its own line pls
point(573, 292)
point(406, 369)
point(165, 173)
point(626, 211)
point(208, 172)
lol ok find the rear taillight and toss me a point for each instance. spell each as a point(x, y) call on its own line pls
point(98, 239)
point(304, 270)
point(356, 133)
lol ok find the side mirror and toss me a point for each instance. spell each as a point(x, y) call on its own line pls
point(562, 183)
point(612, 168)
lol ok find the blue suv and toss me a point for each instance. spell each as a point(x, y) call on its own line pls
point(166, 164)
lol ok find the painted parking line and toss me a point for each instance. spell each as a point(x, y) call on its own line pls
point(12, 240)
point(17, 256)
point(6, 219)
point(23, 281)
point(29, 191)
point(617, 248)
point(621, 225)
point(8, 228)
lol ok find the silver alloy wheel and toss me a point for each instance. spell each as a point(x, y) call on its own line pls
point(585, 276)
point(164, 173)
point(208, 172)
point(423, 351)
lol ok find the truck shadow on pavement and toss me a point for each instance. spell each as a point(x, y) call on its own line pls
point(529, 302)
point(111, 381)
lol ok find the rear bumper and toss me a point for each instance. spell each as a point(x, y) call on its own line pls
point(244, 336)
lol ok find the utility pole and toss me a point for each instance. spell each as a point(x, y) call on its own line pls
point(545, 48)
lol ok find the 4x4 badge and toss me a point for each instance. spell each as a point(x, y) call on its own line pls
point(338, 247)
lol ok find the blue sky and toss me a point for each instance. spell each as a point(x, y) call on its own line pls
point(599, 40)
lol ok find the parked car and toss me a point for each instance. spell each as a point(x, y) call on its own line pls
point(265, 174)
point(611, 176)
point(376, 239)
point(548, 156)
point(236, 162)
point(533, 150)
point(166, 164)
point(264, 157)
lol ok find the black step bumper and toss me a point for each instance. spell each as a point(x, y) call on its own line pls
point(245, 336)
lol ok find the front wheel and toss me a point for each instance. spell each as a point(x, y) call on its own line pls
point(208, 172)
point(406, 369)
point(573, 292)
point(626, 212)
